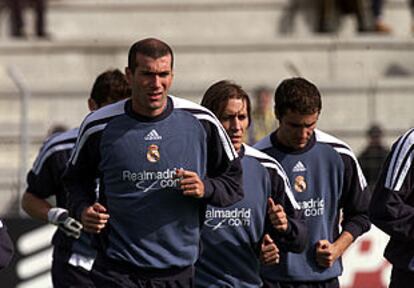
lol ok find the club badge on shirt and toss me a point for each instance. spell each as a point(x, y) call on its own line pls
point(153, 153)
point(300, 184)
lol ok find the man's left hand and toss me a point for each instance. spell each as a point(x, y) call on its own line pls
point(326, 253)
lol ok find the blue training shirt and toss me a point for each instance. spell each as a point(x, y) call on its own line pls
point(231, 237)
point(152, 225)
point(325, 178)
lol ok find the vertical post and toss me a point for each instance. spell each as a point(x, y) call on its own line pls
point(372, 101)
point(24, 91)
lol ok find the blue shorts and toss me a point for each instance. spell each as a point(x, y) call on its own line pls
point(111, 273)
point(330, 283)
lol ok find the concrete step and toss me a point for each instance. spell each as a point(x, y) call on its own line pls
point(74, 64)
point(348, 109)
point(60, 74)
point(189, 19)
point(180, 20)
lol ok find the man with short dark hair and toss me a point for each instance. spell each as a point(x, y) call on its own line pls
point(326, 180)
point(72, 259)
point(160, 160)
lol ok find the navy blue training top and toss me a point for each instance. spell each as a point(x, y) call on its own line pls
point(325, 178)
point(231, 237)
point(45, 180)
point(152, 225)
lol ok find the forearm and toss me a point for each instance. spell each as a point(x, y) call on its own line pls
point(392, 215)
point(80, 188)
point(225, 189)
point(328, 253)
point(35, 207)
point(342, 243)
point(354, 201)
point(78, 200)
point(294, 239)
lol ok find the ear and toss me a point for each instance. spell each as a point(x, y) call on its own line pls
point(92, 105)
point(276, 113)
point(129, 75)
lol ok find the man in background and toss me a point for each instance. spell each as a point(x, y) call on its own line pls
point(373, 156)
point(327, 182)
point(263, 119)
point(73, 255)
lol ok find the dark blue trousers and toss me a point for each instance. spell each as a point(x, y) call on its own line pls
point(65, 275)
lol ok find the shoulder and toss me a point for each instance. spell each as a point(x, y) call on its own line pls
point(97, 120)
point(345, 151)
point(103, 115)
point(404, 144)
point(338, 145)
point(401, 158)
point(61, 138)
point(207, 117)
point(198, 111)
point(263, 144)
point(264, 159)
point(57, 143)
point(323, 137)
point(274, 167)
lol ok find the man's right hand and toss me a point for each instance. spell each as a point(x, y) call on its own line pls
point(94, 218)
point(60, 217)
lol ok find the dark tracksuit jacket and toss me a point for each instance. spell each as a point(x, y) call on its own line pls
point(325, 178)
point(152, 225)
point(6, 247)
point(392, 204)
point(45, 180)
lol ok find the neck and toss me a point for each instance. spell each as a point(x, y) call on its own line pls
point(151, 113)
point(280, 139)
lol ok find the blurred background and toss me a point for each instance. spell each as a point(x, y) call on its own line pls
point(359, 56)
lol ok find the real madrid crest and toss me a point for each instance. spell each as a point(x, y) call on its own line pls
point(153, 153)
point(300, 184)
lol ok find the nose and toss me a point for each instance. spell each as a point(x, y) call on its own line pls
point(235, 124)
point(156, 81)
point(303, 132)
